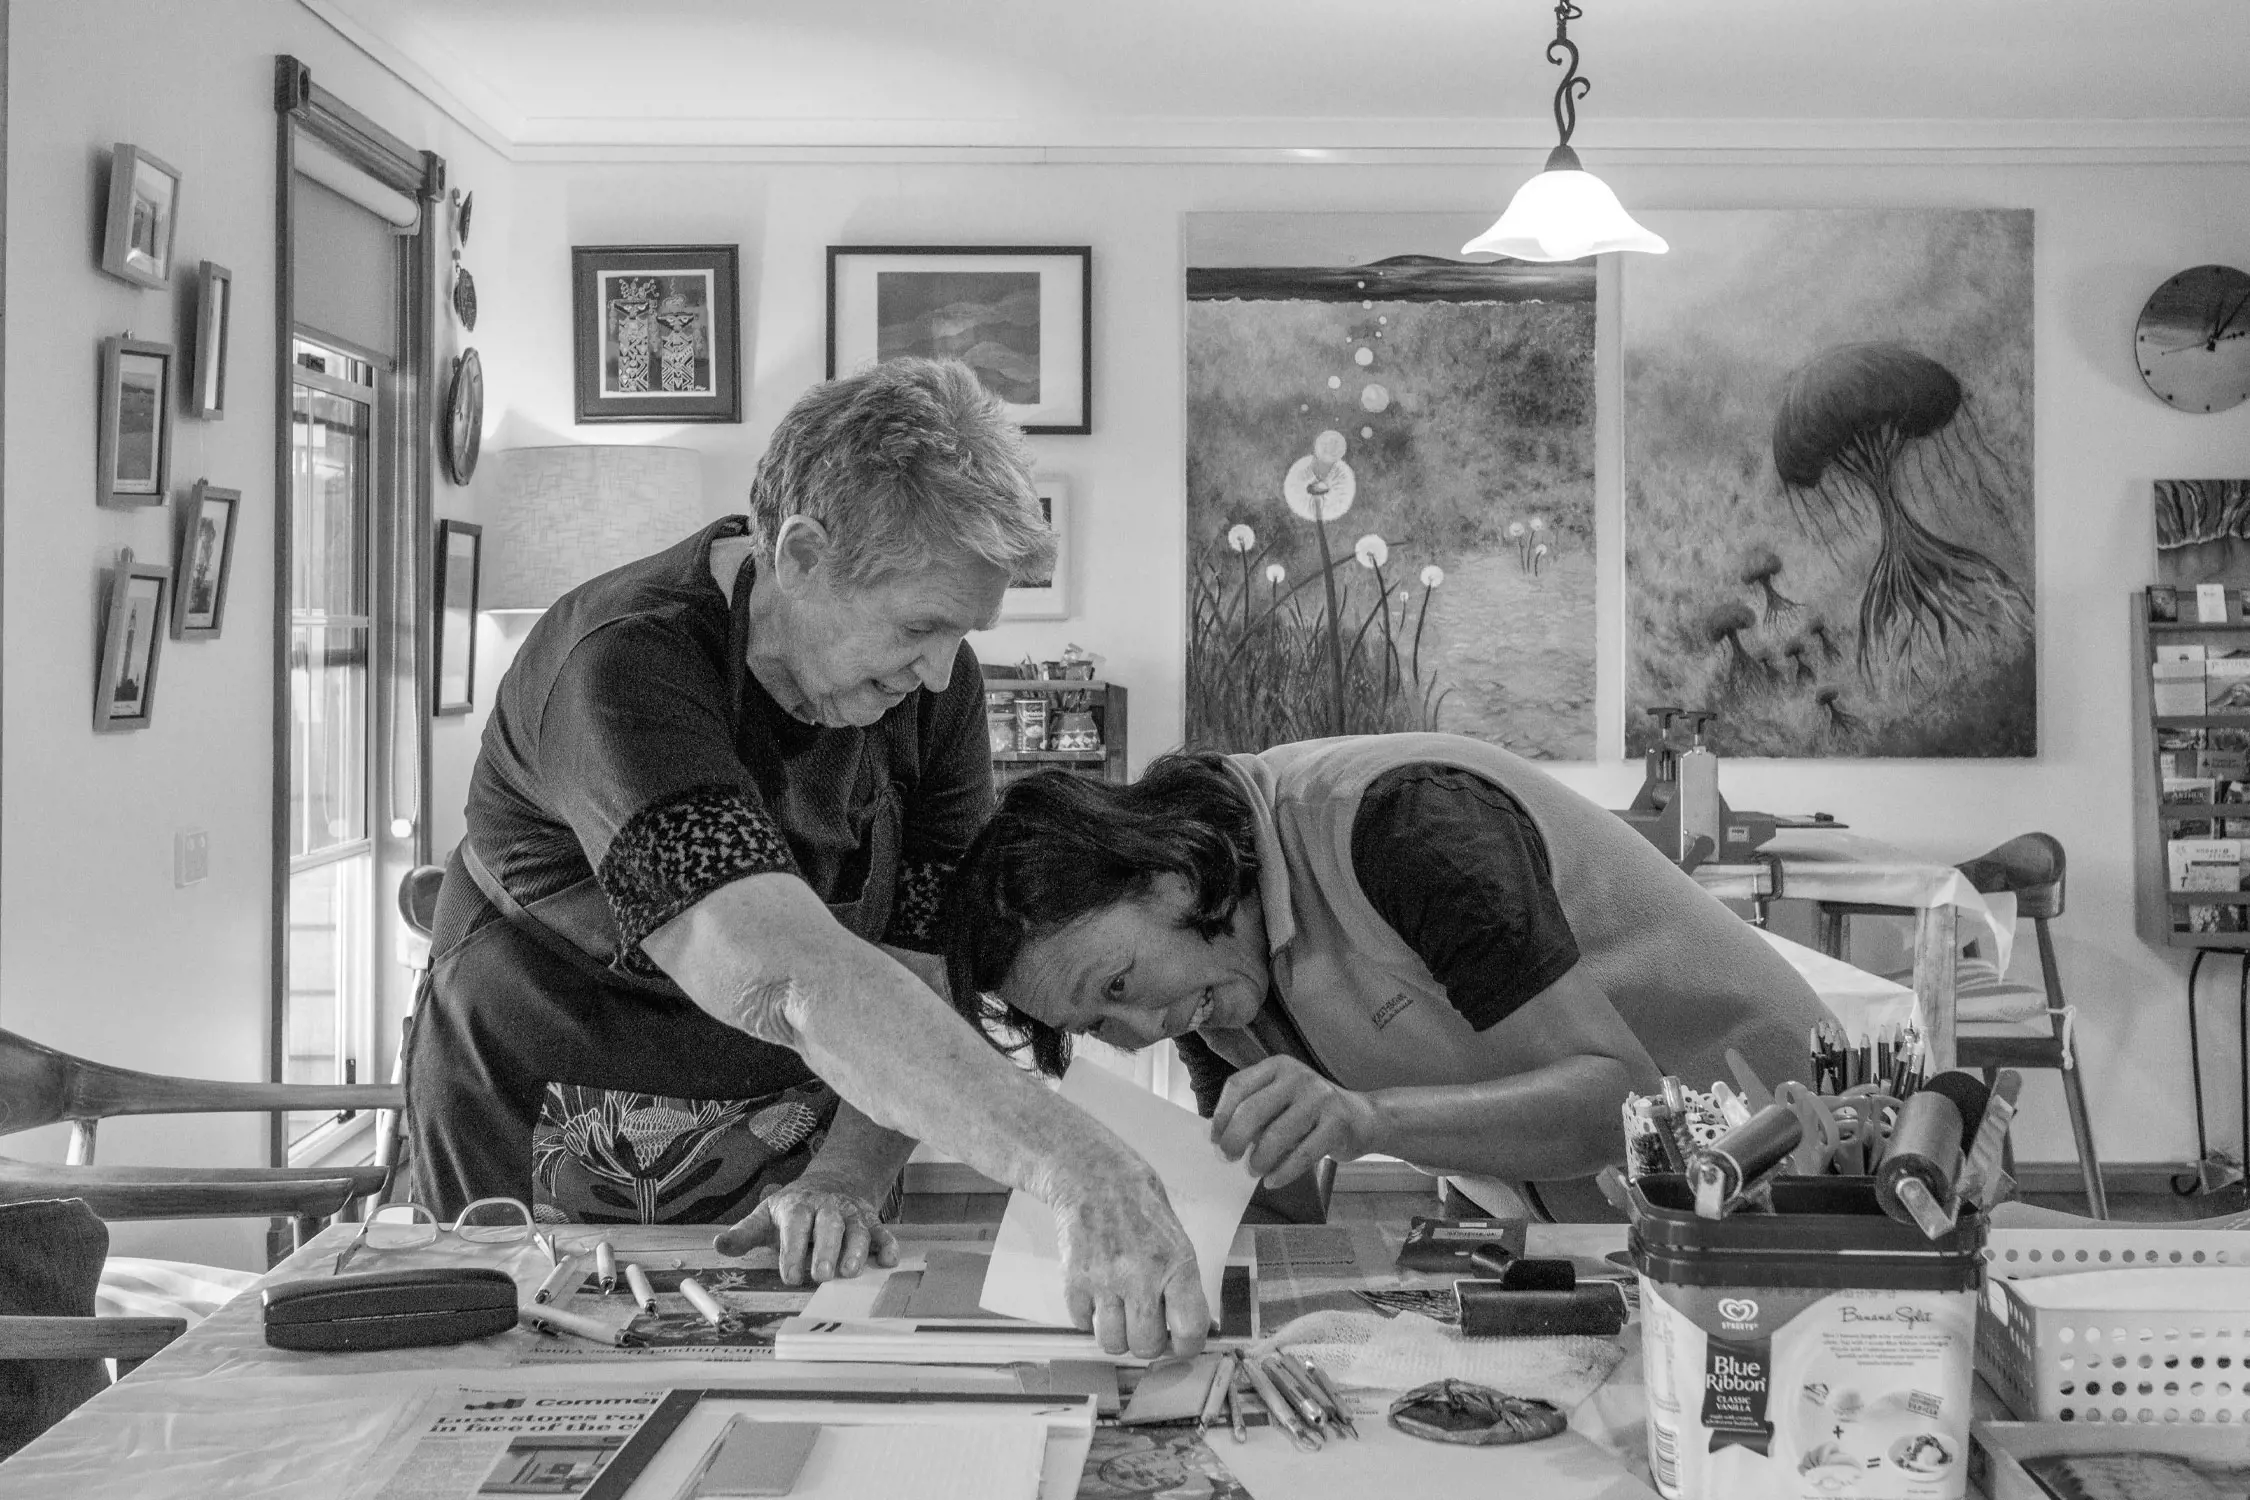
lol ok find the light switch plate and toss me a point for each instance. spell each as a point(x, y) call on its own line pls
point(191, 856)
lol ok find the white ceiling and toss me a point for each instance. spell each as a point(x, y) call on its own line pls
point(563, 77)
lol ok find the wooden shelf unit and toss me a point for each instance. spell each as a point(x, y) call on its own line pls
point(2156, 818)
point(1109, 702)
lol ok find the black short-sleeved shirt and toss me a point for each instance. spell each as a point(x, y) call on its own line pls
point(1459, 870)
point(629, 744)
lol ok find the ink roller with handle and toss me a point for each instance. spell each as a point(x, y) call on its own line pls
point(1733, 1166)
point(1540, 1298)
point(1928, 1141)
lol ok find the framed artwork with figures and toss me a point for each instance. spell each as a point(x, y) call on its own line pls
point(657, 333)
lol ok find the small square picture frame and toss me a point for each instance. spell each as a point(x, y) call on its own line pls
point(1021, 316)
point(203, 560)
point(143, 218)
point(2163, 604)
point(214, 311)
point(1048, 598)
point(132, 644)
point(455, 581)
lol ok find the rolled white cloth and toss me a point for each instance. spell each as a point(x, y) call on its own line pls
point(1397, 1354)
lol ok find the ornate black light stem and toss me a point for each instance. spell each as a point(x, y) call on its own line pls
point(1562, 50)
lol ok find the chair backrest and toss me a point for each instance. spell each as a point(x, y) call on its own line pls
point(417, 897)
point(41, 1086)
point(2031, 866)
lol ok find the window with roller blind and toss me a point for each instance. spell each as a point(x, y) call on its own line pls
point(354, 477)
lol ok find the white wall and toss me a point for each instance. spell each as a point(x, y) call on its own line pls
point(99, 954)
point(2106, 236)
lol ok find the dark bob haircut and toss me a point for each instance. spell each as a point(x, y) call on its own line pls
point(1061, 847)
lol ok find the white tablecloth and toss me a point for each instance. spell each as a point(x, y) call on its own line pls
point(220, 1416)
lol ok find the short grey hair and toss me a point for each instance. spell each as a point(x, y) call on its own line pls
point(904, 462)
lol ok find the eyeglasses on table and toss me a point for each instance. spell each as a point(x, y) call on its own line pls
point(409, 1226)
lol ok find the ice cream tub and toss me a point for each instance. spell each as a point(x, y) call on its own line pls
point(1816, 1352)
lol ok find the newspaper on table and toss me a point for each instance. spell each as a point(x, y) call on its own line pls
point(610, 1442)
point(457, 1444)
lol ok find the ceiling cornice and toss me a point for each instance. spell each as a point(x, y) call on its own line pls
point(1309, 141)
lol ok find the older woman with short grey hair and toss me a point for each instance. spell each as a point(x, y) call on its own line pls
point(720, 799)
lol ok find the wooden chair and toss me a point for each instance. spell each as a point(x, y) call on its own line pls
point(2004, 1025)
point(41, 1086)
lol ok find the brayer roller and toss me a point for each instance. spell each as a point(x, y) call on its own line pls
point(1722, 1172)
point(1929, 1139)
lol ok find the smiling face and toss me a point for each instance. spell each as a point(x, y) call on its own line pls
point(841, 655)
point(1131, 974)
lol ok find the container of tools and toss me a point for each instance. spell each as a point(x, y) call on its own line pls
point(1820, 1349)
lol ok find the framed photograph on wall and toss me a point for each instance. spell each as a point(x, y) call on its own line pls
point(657, 333)
point(1020, 316)
point(1046, 598)
point(460, 554)
point(213, 307)
point(144, 211)
point(134, 445)
point(203, 560)
point(132, 641)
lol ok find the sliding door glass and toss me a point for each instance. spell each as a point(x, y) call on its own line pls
point(328, 1024)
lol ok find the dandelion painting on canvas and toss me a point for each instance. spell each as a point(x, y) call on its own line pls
point(1389, 486)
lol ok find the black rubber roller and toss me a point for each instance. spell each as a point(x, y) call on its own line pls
point(1929, 1139)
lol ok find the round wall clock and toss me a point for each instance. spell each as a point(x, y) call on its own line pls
point(2193, 342)
point(464, 417)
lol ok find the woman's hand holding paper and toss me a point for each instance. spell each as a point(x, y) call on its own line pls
point(1129, 1272)
point(1287, 1117)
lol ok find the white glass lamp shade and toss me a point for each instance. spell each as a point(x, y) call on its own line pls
point(1561, 214)
point(564, 515)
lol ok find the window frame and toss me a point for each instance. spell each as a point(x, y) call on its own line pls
point(358, 1019)
point(403, 449)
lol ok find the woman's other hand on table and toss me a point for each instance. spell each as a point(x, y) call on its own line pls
point(821, 1229)
point(1287, 1117)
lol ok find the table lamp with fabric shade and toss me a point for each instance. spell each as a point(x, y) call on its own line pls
point(564, 515)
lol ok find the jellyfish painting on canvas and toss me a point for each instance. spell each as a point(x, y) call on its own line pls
point(1828, 482)
point(1880, 430)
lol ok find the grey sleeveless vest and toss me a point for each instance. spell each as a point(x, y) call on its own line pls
point(1689, 977)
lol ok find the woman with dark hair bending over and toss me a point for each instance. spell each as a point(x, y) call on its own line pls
point(1415, 944)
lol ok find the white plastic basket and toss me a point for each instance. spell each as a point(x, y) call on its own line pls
point(2188, 1364)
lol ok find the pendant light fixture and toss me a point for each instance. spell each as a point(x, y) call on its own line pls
point(1566, 211)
